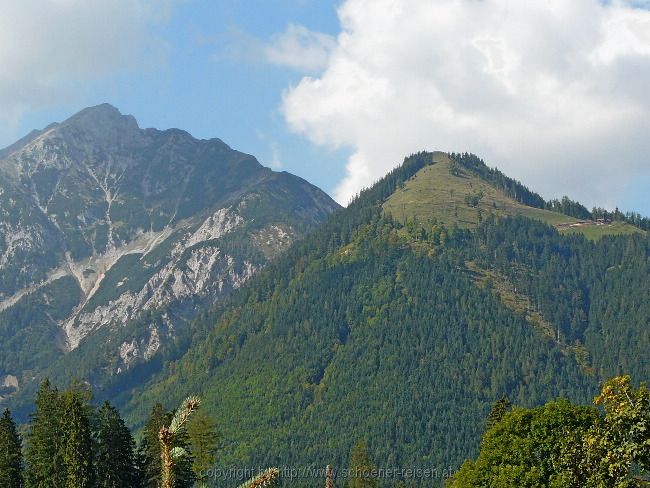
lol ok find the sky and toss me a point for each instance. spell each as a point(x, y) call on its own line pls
point(553, 92)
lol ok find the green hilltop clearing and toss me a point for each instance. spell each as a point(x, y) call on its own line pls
point(448, 193)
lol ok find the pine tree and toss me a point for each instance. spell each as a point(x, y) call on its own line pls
point(361, 468)
point(204, 442)
point(501, 407)
point(77, 442)
point(11, 460)
point(150, 446)
point(116, 459)
point(171, 453)
point(44, 451)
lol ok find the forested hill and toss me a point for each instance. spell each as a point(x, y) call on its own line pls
point(403, 329)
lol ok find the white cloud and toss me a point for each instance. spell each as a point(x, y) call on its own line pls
point(554, 92)
point(300, 48)
point(50, 48)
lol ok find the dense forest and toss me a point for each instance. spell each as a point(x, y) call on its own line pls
point(405, 335)
point(71, 443)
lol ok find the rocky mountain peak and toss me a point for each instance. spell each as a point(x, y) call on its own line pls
point(102, 123)
point(103, 224)
point(104, 115)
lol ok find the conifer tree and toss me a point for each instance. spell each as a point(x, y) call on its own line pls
point(150, 453)
point(501, 407)
point(150, 446)
point(116, 458)
point(204, 442)
point(11, 460)
point(171, 453)
point(77, 451)
point(44, 450)
point(361, 468)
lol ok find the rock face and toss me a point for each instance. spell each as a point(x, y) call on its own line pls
point(102, 223)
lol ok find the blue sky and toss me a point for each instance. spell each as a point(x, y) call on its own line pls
point(338, 92)
point(212, 83)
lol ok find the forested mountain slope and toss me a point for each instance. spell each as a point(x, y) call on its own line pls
point(404, 328)
point(112, 237)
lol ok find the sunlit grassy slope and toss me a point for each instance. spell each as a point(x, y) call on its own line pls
point(595, 232)
point(434, 193)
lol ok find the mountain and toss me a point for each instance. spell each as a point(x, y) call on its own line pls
point(112, 237)
point(405, 316)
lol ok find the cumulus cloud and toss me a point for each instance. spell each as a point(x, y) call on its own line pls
point(300, 48)
point(554, 92)
point(50, 48)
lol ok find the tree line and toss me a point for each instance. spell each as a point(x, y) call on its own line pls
point(71, 443)
point(518, 191)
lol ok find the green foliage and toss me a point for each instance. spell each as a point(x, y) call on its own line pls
point(569, 207)
point(524, 448)
point(566, 446)
point(150, 451)
point(513, 188)
point(377, 329)
point(45, 449)
point(11, 459)
point(204, 441)
point(71, 445)
point(30, 331)
point(77, 442)
point(500, 408)
point(458, 197)
point(473, 199)
point(592, 293)
point(362, 470)
point(170, 436)
point(372, 339)
point(150, 446)
point(617, 444)
point(116, 463)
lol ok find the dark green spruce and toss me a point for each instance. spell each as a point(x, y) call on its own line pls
point(78, 448)
point(44, 453)
point(11, 459)
point(116, 461)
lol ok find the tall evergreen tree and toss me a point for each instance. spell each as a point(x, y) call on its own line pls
point(77, 442)
point(150, 446)
point(11, 460)
point(116, 458)
point(44, 451)
point(204, 441)
point(361, 468)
